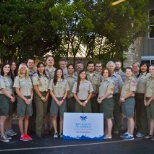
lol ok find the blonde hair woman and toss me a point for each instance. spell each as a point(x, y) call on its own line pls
point(23, 86)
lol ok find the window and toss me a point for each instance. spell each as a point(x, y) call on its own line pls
point(151, 21)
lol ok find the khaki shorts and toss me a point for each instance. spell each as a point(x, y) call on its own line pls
point(55, 109)
point(107, 107)
point(150, 110)
point(4, 105)
point(22, 108)
point(128, 107)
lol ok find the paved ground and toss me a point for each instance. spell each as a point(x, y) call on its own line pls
point(59, 146)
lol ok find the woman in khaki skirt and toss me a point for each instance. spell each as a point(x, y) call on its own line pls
point(6, 99)
point(105, 99)
point(58, 89)
point(23, 86)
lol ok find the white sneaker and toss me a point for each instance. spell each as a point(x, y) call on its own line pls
point(4, 139)
point(8, 137)
point(9, 133)
point(55, 135)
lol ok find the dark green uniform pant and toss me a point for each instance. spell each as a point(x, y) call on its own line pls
point(70, 104)
point(116, 112)
point(95, 106)
point(41, 111)
point(141, 114)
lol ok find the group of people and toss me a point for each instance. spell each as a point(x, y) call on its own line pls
point(44, 93)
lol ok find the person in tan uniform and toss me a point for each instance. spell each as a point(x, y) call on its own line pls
point(50, 71)
point(128, 103)
point(82, 91)
point(140, 108)
point(105, 99)
point(40, 84)
point(71, 78)
point(58, 90)
point(6, 99)
point(149, 102)
point(31, 71)
point(23, 87)
point(95, 80)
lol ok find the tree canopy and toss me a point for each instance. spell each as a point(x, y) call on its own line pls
point(31, 28)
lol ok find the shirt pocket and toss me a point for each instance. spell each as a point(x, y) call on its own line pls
point(86, 87)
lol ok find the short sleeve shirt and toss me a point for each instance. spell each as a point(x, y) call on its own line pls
point(95, 80)
point(106, 87)
point(41, 82)
point(84, 89)
point(24, 84)
point(8, 84)
point(129, 85)
point(71, 80)
point(60, 88)
point(141, 82)
point(149, 87)
point(2, 84)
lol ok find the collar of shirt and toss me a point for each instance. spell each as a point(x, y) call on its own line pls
point(129, 78)
point(72, 76)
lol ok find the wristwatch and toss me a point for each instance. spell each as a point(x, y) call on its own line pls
point(86, 101)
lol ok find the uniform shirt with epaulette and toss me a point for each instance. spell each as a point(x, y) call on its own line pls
point(71, 79)
point(129, 85)
point(95, 80)
point(24, 84)
point(41, 82)
point(6, 83)
point(84, 89)
point(50, 73)
point(60, 88)
point(149, 87)
point(106, 87)
point(141, 82)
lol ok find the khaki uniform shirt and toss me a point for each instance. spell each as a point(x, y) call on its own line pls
point(106, 87)
point(71, 80)
point(129, 85)
point(95, 80)
point(84, 89)
point(7, 84)
point(50, 73)
point(41, 82)
point(60, 88)
point(149, 87)
point(141, 82)
point(24, 84)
